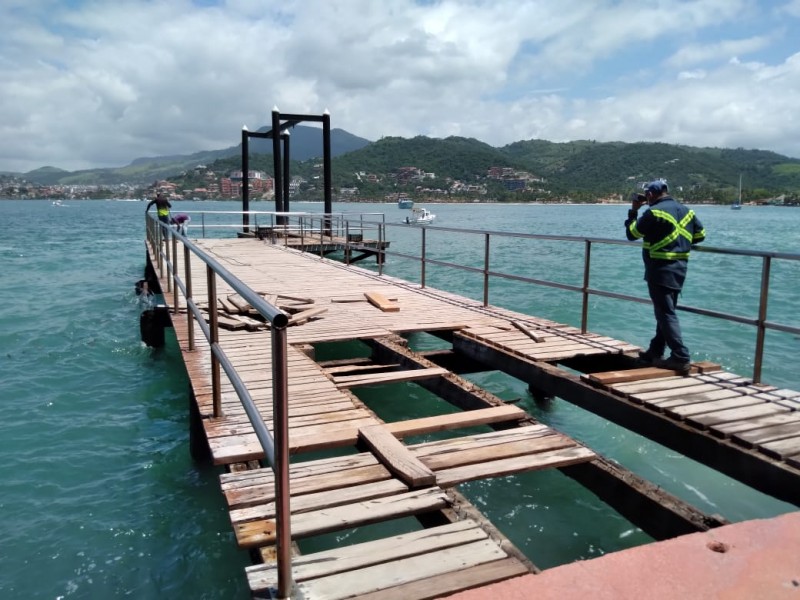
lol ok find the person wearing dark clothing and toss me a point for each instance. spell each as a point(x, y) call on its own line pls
point(162, 207)
point(668, 230)
point(181, 222)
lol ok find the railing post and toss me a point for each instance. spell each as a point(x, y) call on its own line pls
point(381, 257)
point(486, 271)
point(347, 243)
point(762, 318)
point(213, 327)
point(203, 223)
point(175, 277)
point(168, 252)
point(159, 249)
point(189, 294)
point(422, 259)
point(280, 408)
point(322, 224)
point(587, 259)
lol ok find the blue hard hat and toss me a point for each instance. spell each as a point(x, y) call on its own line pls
point(656, 187)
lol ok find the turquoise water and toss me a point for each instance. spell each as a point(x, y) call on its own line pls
point(100, 497)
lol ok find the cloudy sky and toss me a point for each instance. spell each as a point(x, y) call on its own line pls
point(98, 83)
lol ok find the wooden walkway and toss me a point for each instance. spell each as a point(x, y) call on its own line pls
point(381, 477)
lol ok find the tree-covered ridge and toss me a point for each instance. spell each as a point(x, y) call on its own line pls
point(583, 170)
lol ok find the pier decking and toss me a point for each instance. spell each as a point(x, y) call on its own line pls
point(378, 473)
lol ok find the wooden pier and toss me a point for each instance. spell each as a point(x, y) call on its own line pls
point(375, 472)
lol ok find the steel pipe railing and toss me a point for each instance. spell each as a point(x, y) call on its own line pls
point(276, 450)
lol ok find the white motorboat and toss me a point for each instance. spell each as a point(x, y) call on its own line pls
point(420, 216)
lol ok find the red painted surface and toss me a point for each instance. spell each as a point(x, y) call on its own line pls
point(753, 560)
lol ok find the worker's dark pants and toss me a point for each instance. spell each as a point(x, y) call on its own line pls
point(668, 329)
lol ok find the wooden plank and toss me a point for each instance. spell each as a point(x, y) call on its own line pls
point(348, 558)
point(392, 377)
point(398, 573)
point(265, 492)
point(769, 434)
point(396, 457)
point(766, 421)
point(510, 466)
point(380, 301)
point(443, 585)
point(625, 376)
point(714, 419)
point(780, 448)
point(304, 316)
point(240, 303)
point(469, 418)
point(708, 407)
point(319, 500)
point(536, 337)
point(262, 532)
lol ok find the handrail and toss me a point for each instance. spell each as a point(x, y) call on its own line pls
point(163, 241)
point(760, 321)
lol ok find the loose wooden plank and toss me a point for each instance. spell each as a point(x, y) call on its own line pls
point(470, 418)
point(471, 455)
point(536, 337)
point(356, 556)
point(380, 301)
point(305, 315)
point(319, 500)
point(449, 583)
point(625, 376)
point(262, 532)
point(240, 303)
point(510, 466)
point(396, 457)
point(398, 573)
point(350, 381)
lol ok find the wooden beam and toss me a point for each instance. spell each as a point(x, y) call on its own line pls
point(380, 301)
point(396, 457)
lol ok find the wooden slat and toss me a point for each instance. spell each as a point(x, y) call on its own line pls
point(328, 498)
point(396, 457)
point(628, 375)
point(780, 448)
point(380, 301)
point(401, 572)
point(445, 584)
point(510, 466)
point(769, 434)
point(393, 377)
point(470, 418)
point(348, 558)
point(259, 533)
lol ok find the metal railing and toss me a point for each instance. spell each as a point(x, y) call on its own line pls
point(760, 321)
point(164, 243)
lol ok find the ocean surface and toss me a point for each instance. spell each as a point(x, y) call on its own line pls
point(100, 498)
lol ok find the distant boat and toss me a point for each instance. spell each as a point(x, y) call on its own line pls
point(405, 203)
point(420, 216)
point(738, 204)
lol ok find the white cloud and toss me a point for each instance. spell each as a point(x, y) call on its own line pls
point(108, 82)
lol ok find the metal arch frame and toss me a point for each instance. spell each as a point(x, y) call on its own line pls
point(280, 123)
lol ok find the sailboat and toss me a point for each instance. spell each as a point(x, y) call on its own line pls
point(738, 204)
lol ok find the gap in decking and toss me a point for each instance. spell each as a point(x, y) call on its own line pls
point(358, 535)
point(421, 341)
point(551, 518)
point(324, 351)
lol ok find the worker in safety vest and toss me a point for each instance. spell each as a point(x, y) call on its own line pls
point(668, 230)
point(162, 207)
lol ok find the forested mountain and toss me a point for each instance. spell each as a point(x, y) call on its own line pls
point(578, 170)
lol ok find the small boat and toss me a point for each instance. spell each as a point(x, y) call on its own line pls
point(420, 216)
point(738, 204)
point(405, 203)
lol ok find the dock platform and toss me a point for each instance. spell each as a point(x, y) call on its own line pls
point(377, 472)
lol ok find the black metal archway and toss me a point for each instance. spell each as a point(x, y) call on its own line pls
point(279, 132)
